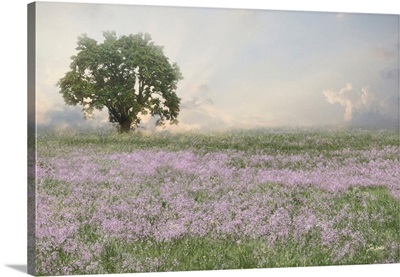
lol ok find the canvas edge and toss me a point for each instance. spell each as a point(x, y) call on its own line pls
point(31, 139)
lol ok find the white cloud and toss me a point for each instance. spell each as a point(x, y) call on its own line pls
point(364, 107)
point(342, 97)
point(366, 96)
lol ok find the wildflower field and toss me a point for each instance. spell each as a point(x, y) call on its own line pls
point(122, 203)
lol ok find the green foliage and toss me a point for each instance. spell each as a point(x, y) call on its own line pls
point(129, 75)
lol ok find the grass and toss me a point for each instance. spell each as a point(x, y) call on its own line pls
point(364, 220)
point(255, 141)
point(212, 254)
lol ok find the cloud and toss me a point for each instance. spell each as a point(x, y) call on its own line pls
point(71, 117)
point(199, 95)
point(366, 97)
point(208, 117)
point(195, 102)
point(365, 107)
point(341, 97)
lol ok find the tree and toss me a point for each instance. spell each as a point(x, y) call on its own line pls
point(129, 75)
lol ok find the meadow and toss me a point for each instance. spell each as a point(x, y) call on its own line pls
point(122, 203)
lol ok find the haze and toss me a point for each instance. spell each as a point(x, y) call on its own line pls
point(242, 68)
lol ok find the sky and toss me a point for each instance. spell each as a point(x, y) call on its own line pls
point(242, 68)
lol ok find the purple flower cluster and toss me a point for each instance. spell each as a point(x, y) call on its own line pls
point(163, 196)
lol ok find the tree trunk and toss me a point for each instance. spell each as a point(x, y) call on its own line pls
point(125, 127)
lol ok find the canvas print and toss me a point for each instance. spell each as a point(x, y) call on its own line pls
point(178, 139)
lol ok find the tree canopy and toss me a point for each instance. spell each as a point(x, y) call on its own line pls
point(129, 75)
